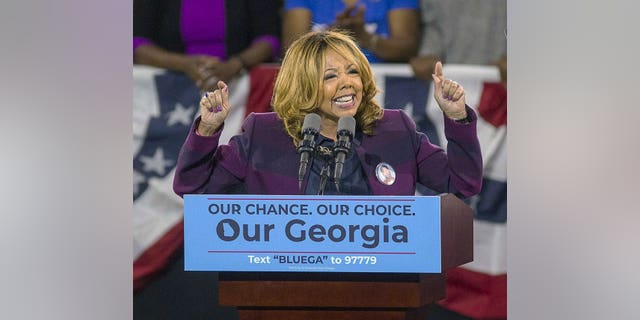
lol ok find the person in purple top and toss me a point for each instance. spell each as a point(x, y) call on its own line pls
point(208, 40)
point(325, 73)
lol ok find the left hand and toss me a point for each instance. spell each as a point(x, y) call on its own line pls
point(449, 94)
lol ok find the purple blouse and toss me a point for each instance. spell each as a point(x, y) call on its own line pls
point(202, 27)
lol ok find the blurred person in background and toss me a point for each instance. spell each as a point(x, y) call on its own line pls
point(208, 40)
point(462, 32)
point(386, 30)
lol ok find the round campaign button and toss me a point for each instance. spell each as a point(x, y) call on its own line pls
point(385, 173)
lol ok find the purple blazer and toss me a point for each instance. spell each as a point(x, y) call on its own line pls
point(263, 160)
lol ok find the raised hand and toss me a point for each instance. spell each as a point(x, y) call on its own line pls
point(449, 94)
point(214, 109)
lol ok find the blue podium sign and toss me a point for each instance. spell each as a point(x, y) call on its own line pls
point(312, 233)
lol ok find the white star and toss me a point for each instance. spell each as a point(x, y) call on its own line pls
point(156, 163)
point(180, 114)
point(138, 178)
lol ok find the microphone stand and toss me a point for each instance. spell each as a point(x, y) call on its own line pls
point(324, 176)
point(326, 155)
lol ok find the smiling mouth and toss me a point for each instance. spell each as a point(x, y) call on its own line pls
point(345, 101)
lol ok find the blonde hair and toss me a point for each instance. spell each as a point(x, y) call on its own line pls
point(297, 90)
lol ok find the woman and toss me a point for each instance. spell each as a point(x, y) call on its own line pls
point(325, 73)
point(208, 40)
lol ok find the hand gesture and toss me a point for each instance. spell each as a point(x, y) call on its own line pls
point(198, 67)
point(352, 18)
point(449, 95)
point(214, 109)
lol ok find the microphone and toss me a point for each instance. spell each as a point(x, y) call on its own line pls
point(346, 130)
point(306, 147)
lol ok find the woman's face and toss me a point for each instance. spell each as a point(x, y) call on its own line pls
point(342, 89)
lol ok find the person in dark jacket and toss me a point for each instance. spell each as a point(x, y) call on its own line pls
point(208, 40)
point(325, 73)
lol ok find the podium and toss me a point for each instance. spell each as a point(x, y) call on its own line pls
point(353, 296)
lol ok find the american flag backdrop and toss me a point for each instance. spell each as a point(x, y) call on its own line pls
point(165, 104)
point(477, 289)
point(164, 107)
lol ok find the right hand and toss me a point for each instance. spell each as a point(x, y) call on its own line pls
point(199, 67)
point(214, 109)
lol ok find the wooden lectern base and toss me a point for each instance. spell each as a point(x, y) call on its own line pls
point(294, 296)
point(323, 314)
